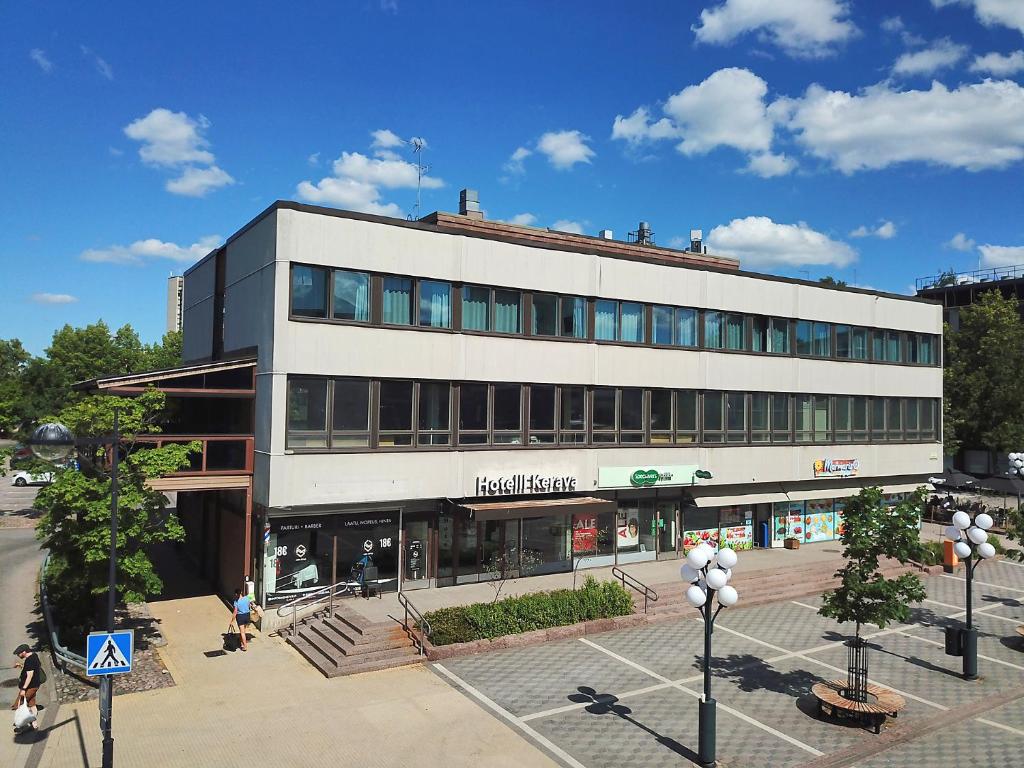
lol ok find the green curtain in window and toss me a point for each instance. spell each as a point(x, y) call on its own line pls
point(632, 323)
point(686, 327)
point(397, 301)
point(858, 344)
point(780, 336)
point(474, 308)
point(435, 304)
point(734, 331)
point(506, 311)
point(924, 351)
point(713, 330)
point(606, 320)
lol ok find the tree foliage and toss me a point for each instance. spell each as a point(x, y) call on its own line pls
point(872, 531)
point(984, 365)
point(830, 282)
point(75, 525)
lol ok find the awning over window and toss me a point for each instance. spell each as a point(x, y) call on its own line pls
point(737, 501)
point(507, 510)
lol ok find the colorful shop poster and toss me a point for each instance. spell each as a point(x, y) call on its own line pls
point(707, 536)
point(840, 505)
point(788, 520)
point(737, 537)
point(819, 521)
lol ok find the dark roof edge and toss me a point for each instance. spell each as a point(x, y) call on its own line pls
point(291, 205)
point(185, 369)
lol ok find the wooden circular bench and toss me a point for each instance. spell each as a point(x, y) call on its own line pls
point(1020, 630)
point(884, 702)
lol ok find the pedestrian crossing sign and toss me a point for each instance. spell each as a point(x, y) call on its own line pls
point(108, 653)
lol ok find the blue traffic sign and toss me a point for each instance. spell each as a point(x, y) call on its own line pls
point(108, 653)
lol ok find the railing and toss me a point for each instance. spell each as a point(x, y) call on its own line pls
point(635, 584)
point(306, 600)
point(421, 624)
point(62, 654)
point(220, 454)
point(953, 279)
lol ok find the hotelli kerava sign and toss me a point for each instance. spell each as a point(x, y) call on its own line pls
point(507, 486)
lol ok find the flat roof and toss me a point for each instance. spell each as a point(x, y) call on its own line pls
point(148, 377)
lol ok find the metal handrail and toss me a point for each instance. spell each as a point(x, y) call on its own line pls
point(60, 652)
point(636, 584)
point(327, 593)
point(421, 623)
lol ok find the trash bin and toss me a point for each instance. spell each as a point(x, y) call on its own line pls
point(954, 641)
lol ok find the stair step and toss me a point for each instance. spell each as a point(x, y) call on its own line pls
point(325, 664)
point(379, 664)
point(378, 655)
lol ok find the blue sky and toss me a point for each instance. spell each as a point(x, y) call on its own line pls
point(874, 141)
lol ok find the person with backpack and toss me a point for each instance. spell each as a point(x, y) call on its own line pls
point(31, 678)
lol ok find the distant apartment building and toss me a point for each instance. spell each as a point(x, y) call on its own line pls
point(175, 298)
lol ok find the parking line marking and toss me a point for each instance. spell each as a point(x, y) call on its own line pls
point(506, 715)
point(1010, 562)
point(573, 707)
point(980, 656)
point(984, 611)
point(724, 707)
point(994, 724)
point(982, 583)
point(804, 605)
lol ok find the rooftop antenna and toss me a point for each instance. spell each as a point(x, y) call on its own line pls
point(418, 145)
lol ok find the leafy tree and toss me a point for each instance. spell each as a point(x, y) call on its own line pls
point(13, 359)
point(830, 282)
point(984, 362)
point(946, 278)
point(166, 354)
point(75, 524)
point(871, 531)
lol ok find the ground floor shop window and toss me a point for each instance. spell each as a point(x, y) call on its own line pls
point(736, 527)
point(788, 520)
point(593, 539)
point(700, 526)
point(547, 545)
point(636, 530)
point(819, 521)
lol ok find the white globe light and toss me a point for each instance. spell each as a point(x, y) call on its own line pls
point(962, 520)
point(977, 535)
point(727, 596)
point(986, 550)
point(707, 549)
point(727, 558)
point(688, 573)
point(717, 578)
point(52, 442)
point(983, 521)
point(697, 558)
point(728, 574)
point(696, 596)
point(962, 549)
point(952, 533)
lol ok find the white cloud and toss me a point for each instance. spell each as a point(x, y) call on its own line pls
point(941, 54)
point(1001, 255)
point(197, 182)
point(803, 28)
point(523, 219)
point(767, 165)
point(54, 298)
point(38, 55)
point(757, 241)
point(347, 193)
point(884, 231)
point(385, 139)
point(565, 225)
point(960, 242)
point(151, 248)
point(1007, 13)
point(975, 126)
point(998, 64)
point(101, 65)
point(892, 25)
point(564, 149)
point(391, 173)
point(514, 164)
point(314, 159)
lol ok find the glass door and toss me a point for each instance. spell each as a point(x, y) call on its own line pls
point(668, 529)
point(415, 554)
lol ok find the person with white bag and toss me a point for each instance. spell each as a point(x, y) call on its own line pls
point(24, 706)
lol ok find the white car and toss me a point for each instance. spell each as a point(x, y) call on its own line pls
point(21, 479)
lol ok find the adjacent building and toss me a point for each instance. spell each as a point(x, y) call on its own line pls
point(447, 398)
point(175, 298)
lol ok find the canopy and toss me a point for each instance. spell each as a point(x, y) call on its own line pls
point(502, 510)
point(1003, 484)
point(954, 478)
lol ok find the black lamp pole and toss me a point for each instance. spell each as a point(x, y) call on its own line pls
point(107, 681)
point(971, 632)
point(707, 707)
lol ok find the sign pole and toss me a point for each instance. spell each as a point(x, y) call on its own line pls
point(107, 681)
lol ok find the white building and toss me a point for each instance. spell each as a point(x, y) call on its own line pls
point(434, 394)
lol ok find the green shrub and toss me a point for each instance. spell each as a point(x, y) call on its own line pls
point(932, 553)
point(539, 610)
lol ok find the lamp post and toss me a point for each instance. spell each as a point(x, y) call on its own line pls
point(971, 546)
point(55, 443)
point(708, 574)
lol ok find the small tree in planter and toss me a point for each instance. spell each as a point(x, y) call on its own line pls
point(872, 530)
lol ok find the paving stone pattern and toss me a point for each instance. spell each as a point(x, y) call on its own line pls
point(964, 744)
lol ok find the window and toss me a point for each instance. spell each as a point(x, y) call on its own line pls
point(606, 320)
point(573, 421)
point(760, 418)
point(734, 332)
point(544, 314)
point(661, 325)
point(803, 337)
point(603, 415)
point(713, 336)
point(542, 413)
point(309, 291)
point(508, 414)
point(851, 419)
point(350, 419)
point(759, 334)
point(476, 308)
point(779, 336)
point(912, 348)
point(781, 432)
point(894, 418)
point(859, 344)
point(822, 420)
point(686, 327)
point(473, 414)
point(686, 416)
point(878, 345)
point(892, 346)
point(631, 325)
point(912, 416)
point(810, 417)
point(631, 415)
point(927, 419)
point(397, 309)
point(395, 413)
point(506, 311)
point(842, 343)
point(435, 304)
point(736, 418)
point(435, 413)
point(574, 317)
point(307, 413)
point(351, 296)
point(822, 344)
point(877, 419)
point(926, 349)
point(713, 421)
point(660, 422)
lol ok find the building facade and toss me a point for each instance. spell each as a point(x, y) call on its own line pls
point(451, 398)
point(175, 302)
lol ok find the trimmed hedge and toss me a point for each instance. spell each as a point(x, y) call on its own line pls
point(540, 610)
point(932, 551)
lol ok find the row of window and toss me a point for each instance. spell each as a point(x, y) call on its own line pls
point(344, 295)
point(349, 413)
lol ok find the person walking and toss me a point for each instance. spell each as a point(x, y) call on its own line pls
point(241, 615)
point(29, 681)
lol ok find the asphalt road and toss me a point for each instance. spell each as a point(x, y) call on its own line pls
point(20, 557)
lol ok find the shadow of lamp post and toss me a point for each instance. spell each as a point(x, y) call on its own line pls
point(708, 574)
point(972, 547)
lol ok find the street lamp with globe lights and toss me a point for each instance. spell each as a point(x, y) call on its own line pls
point(971, 545)
point(708, 574)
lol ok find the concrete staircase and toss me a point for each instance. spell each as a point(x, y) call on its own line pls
point(759, 587)
point(347, 644)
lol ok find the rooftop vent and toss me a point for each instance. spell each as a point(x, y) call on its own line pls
point(643, 234)
point(696, 238)
point(469, 204)
point(606, 234)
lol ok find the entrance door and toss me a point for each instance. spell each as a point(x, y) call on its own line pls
point(668, 530)
point(416, 554)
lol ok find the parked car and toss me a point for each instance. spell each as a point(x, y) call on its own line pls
point(21, 456)
point(23, 478)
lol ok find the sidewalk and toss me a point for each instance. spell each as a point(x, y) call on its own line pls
point(269, 707)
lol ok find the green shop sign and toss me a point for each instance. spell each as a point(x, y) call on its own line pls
point(645, 477)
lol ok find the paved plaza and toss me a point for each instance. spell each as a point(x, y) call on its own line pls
point(629, 698)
